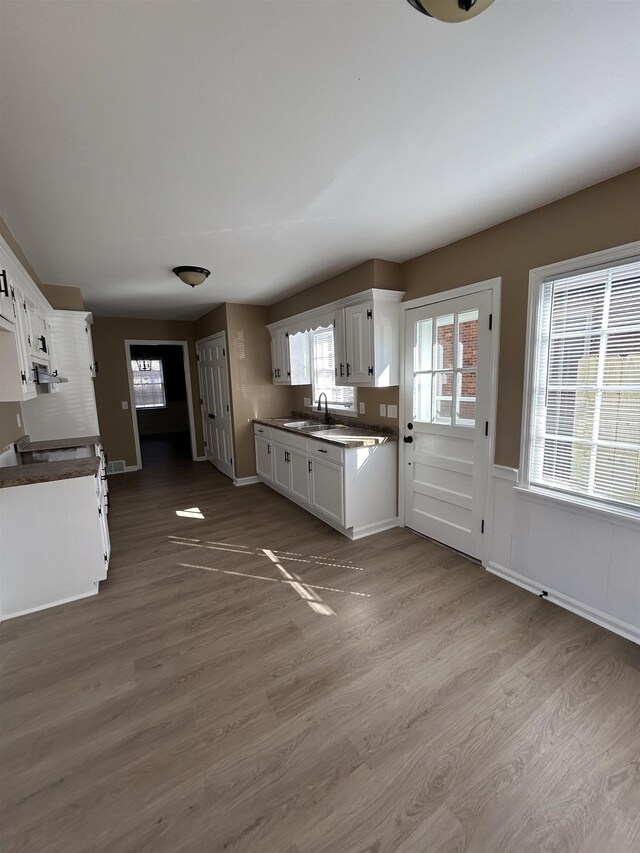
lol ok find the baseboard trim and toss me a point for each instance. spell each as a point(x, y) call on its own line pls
point(246, 481)
point(128, 469)
point(378, 527)
point(200, 459)
point(623, 629)
point(26, 612)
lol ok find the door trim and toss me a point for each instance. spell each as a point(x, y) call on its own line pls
point(228, 470)
point(494, 285)
point(187, 378)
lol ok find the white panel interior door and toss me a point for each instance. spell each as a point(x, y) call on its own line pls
point(216, 407)
point(447, 404)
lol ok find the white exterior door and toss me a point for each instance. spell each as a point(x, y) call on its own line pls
point(215, 404)
point(447, 407)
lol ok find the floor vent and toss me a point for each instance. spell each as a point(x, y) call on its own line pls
point(116, 467)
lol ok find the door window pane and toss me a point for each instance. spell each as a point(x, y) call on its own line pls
point(442, 397)
point(423, 349)
point(445, 341)
point(466, 398)
point(467, 350)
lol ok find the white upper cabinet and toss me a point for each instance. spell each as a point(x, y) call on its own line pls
point(26, 338)
point(366, 341)
point(7, 297)
point(280, 361)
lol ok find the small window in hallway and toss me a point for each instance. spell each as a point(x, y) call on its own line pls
point(148, 383)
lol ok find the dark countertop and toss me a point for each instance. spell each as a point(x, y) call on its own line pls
point(47, 472)
point(25, 444)
point(352, 436)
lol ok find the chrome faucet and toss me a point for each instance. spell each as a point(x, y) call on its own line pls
point(327, 417)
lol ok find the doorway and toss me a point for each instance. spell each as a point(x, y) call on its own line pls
point(448, 402)
point(161, 401)
point(215, 403)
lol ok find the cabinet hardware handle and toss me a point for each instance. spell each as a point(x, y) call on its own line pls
point(268, 450)
point(348, 370)
point(341, 369)
point(4, 287)
point(260, 430)
point(322, 451)
point(408, 439)
point(43, 343)
point(213, 417)
point(309, 466)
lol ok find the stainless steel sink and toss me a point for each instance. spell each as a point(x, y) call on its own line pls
point(307, 426)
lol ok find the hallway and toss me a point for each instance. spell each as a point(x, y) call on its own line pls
point(248, 679)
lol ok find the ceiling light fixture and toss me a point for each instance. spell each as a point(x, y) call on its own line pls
point(192, 275)
point(451, 11)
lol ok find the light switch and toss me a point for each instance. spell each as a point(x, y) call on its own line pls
point(383, 410)
point(307, 401)
point(19, 419)
point(392, 411)
point(125, 404)
point(362, 408)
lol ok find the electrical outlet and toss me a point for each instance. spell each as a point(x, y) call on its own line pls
point(361, 408)
point(307, 401)
point(392, 411)
point(383, 410)
point(19, 419)
point(125, 404)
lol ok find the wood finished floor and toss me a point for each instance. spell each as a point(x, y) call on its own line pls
point(206, 701)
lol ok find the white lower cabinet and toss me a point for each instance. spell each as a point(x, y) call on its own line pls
point(299, 465)
point(264, 457)
point(327, 489)
point(54, 543)
point(352, 489)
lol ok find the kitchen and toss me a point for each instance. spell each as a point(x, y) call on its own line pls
point(307, 547)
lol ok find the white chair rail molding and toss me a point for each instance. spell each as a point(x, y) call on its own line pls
point(567, 524)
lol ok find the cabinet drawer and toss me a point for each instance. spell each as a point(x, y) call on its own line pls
point(262, 430)
point(290, 439)
point(324, 450)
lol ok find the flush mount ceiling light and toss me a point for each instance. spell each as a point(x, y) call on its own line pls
point(192, 275)
point(451, 11)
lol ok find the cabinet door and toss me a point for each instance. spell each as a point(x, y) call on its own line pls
point(327, 489)
point(281, 370)
point(264, 459)
point(339, 350)
point(282, 466)
point(7, 297)
point(300, 474)
point(24, 348)
point(93, 364)
point(359, 343)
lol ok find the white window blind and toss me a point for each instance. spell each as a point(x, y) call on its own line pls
point(338, 396)
point(585, 427)
point(148, 384)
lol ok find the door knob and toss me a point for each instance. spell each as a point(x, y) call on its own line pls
point(213, 417)
point(408, 439)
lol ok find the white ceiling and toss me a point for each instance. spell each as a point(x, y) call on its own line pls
point(278, 143)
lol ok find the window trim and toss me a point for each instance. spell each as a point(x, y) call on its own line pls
point(347, 413)
point(537, 278)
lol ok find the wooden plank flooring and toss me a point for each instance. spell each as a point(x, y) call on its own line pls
point(381, 695)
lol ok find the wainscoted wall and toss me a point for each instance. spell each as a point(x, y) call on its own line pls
point(587, 561)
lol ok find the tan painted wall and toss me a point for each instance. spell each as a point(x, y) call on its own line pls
point(64, 297)
point(112, 382)
point(602, 216)
point(374, 273)
point(252, 392)
point(9, 429)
